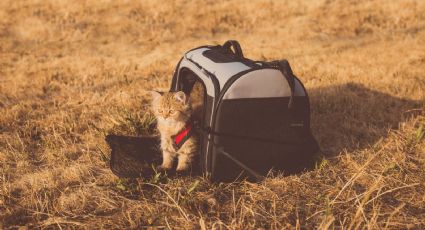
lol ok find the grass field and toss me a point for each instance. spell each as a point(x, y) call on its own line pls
point(73, 71)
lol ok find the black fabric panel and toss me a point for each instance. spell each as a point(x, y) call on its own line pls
point(261, 157)
point(264, 134)
point(220, 55)
point(264, 118)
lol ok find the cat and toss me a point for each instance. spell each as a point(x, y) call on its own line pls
point(174, 114)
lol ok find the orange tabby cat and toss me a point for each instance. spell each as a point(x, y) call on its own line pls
point(173, 111)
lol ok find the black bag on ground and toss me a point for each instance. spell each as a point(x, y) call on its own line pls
point(256, 114)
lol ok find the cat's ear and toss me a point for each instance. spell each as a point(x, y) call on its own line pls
point(155, 94)
point(181, 97)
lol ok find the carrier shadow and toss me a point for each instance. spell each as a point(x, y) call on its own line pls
point(351, 116)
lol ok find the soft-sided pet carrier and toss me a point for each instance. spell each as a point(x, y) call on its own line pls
point(256, 119)
point(256, 114)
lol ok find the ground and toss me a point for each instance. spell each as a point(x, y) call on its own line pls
point(73, 71)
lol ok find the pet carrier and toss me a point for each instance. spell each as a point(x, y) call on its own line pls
point(256, 116)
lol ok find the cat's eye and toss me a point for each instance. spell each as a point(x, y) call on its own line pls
point(172, 112)
point(160, 111)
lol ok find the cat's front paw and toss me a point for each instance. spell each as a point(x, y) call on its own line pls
point(182, 167)
point(183, 163)
point(164, 168)
point(183, 171)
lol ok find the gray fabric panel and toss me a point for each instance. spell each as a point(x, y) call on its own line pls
point(205, 78)
point(262, 84)
point(223, 71)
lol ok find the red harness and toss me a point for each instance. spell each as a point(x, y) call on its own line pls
point(180, 138)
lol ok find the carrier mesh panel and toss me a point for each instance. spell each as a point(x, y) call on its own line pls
point(133, 157)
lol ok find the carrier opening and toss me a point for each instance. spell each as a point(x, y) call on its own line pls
point(192, 86)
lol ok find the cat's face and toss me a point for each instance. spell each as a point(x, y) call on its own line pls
point(171, 107)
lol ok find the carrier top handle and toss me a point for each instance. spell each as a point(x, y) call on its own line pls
point(236, 47)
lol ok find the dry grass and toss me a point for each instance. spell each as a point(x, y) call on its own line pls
point(73, 71)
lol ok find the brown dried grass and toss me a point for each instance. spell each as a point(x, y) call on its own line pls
point(73, 71)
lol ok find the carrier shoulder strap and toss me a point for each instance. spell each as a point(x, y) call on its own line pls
point(255, 174)
point(285, 69)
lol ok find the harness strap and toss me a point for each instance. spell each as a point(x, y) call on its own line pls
point(180, 138)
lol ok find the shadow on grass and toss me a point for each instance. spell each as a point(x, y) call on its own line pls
point(351, 116)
